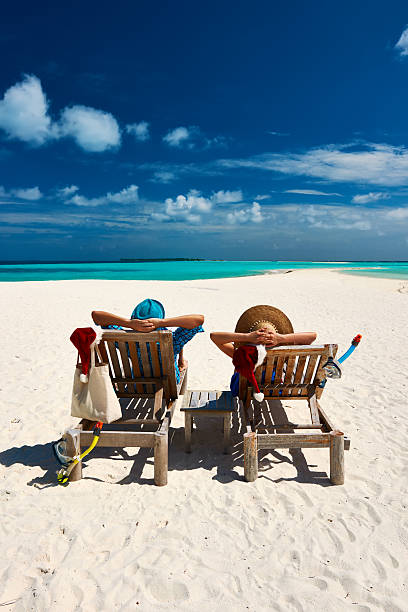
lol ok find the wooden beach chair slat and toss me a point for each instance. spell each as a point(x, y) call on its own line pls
point(212, 400)
point(194, 399)
point(144, 359)
point(116, 366)
point(289, 375)
point(104, 355)
point(135, 366)
point(123, 349)
point(280, 362)
point(300, 369)
point(268, 368)
point(154, 352)
point(166, 349)
point(203, 398)
point(310, 369)
point(298, 376)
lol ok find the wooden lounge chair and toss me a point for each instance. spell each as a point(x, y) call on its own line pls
point(137, 378)
point(293, 373)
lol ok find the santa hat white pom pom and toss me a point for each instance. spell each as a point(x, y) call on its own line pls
point(259, 397)
point(83, 378)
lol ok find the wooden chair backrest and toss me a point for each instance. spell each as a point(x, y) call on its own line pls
point(291, 372)
point(132, 372)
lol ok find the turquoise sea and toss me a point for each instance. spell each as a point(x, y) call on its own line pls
point(185, 270)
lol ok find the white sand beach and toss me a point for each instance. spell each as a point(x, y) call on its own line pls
point(290, 541)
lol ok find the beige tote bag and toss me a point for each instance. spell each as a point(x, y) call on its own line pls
point(96, 399)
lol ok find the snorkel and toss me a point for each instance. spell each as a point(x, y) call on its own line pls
point(332, 366)
point(68, 463)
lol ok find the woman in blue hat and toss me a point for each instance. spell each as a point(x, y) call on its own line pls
point(148, 316)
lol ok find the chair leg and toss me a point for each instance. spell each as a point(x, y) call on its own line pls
point(161, 458)
point(250, 457)
point(249, 421)
point(337, 457)
point(188, 427)
point(227, 433)
point(72, 437)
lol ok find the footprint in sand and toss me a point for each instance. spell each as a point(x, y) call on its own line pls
point(170, 593)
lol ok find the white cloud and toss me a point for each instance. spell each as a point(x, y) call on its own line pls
point(128, 195)
point(24, 193)
point(278, 133)
point(311, 192)
point(24, 116)
point(224, 197)
point(80, 200)
point(24, 112)
point(402, 44)
point(196, 213)
point(216, 210)
point(188, 207)
point(93, 130)
point(139, 130)
point(159, 217)
point(192, 138)
point(378, 164)
point(67, 191)
point(32, 193)
point(398, 213)
point(251, 214)
point(370, 197)
point(163, 176)
point(194, 204)
point(330, 217)
point(179, 137)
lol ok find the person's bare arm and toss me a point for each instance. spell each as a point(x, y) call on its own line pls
point(296, 338)
point(225, 340)
point(182, 363)
point(100, 317)
point(271, 338)
point(187, 321)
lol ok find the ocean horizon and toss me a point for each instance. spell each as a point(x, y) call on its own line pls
point(190, 269)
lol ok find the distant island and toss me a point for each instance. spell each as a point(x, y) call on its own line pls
point(161, 260)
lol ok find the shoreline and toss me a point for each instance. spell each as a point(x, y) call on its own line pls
point(272, 272)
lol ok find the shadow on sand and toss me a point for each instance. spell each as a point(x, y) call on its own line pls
point(206, 454)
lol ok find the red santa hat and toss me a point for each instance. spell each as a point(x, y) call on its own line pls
point(83, 338)
point(246, 359)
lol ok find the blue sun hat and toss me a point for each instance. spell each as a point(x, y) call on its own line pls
point(148, 309)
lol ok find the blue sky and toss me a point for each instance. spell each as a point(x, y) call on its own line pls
point(228, 129)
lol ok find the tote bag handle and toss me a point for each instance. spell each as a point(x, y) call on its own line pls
point(95, 349)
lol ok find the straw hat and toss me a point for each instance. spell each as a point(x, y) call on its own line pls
point(264, 316)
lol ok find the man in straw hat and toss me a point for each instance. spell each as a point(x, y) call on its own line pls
point(256, 328)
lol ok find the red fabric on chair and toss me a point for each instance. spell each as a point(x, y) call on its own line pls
point(245, 359)
point(82, 338)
